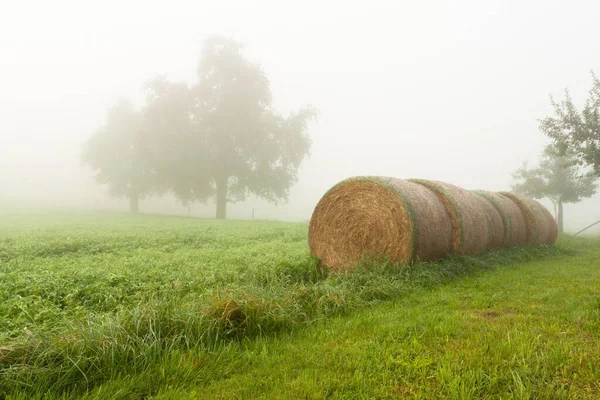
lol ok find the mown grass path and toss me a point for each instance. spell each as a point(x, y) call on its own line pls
point(523, 331)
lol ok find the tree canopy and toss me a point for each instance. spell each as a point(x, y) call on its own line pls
point(250, 147)
point(558, 178)
point(577, 132)
point(219, 137)
point(119, 155)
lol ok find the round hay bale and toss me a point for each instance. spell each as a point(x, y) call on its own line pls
point(497, 234)
point(366, 217)
point(468, 216)
point(536, 224)
point(515, 233)
point(550, 222)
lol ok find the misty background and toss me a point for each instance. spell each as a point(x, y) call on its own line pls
point(444, 90)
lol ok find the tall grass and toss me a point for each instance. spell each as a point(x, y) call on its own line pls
point(76, 355)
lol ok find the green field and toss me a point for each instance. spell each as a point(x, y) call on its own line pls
point(100, 305)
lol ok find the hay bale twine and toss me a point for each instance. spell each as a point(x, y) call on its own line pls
point(496, 231)
point(468, 216)
point(365, 217)
point(536, 224)
point(550, 222)
point(515, 233)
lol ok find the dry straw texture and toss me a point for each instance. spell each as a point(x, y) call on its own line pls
point(469, 220)
point(366, 218)
point(537, 226)
point(550, 222)
point(515, 233)
point(497, 233)
point(370, 217)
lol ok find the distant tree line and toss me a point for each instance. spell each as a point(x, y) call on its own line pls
point(570, 164)
point(218, 138)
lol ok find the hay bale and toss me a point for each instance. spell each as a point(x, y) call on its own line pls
point(536, 224)
point(366, 217)
point(515, 233)
point(468, 216)
point(550, 222)
point(497, 234)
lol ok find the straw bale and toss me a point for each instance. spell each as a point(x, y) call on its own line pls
point(496, 231)
point(515, 233)
point(468, 216)
point(550, 222)
point(536, 224)
point(371, 217)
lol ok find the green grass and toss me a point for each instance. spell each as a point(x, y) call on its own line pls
point(117, 306)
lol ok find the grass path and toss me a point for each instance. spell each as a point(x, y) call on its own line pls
point(105, 306)
point(522, 331)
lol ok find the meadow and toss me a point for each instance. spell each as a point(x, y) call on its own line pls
point(105, 305)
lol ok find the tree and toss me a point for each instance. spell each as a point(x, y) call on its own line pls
point(557, 178)
point(574, 131)
point(217, 138)
point(177, 141)
point(119, 155)
point(242, 145)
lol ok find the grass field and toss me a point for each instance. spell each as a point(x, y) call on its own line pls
point(97, 305)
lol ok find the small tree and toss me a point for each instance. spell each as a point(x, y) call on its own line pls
point(575, 131)
point(557, 178)
point(120, 157)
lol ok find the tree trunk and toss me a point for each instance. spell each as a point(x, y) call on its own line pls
point(134, 203)
point(221, 184)
point(560, 215)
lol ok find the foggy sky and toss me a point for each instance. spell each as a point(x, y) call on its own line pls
point(445, 90)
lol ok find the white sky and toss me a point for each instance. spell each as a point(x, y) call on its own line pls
point(446, 90)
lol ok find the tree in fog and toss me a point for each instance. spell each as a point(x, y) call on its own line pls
point(236, 143)
point(178, 145)
point(217, 138)
point(557, 178)
point(120, 156)
point(577, 131)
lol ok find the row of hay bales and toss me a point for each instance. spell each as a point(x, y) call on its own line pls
point(406, 220)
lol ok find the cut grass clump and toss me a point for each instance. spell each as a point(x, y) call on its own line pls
point(308, 272)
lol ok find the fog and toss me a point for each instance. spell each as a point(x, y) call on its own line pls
point(445, 90)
